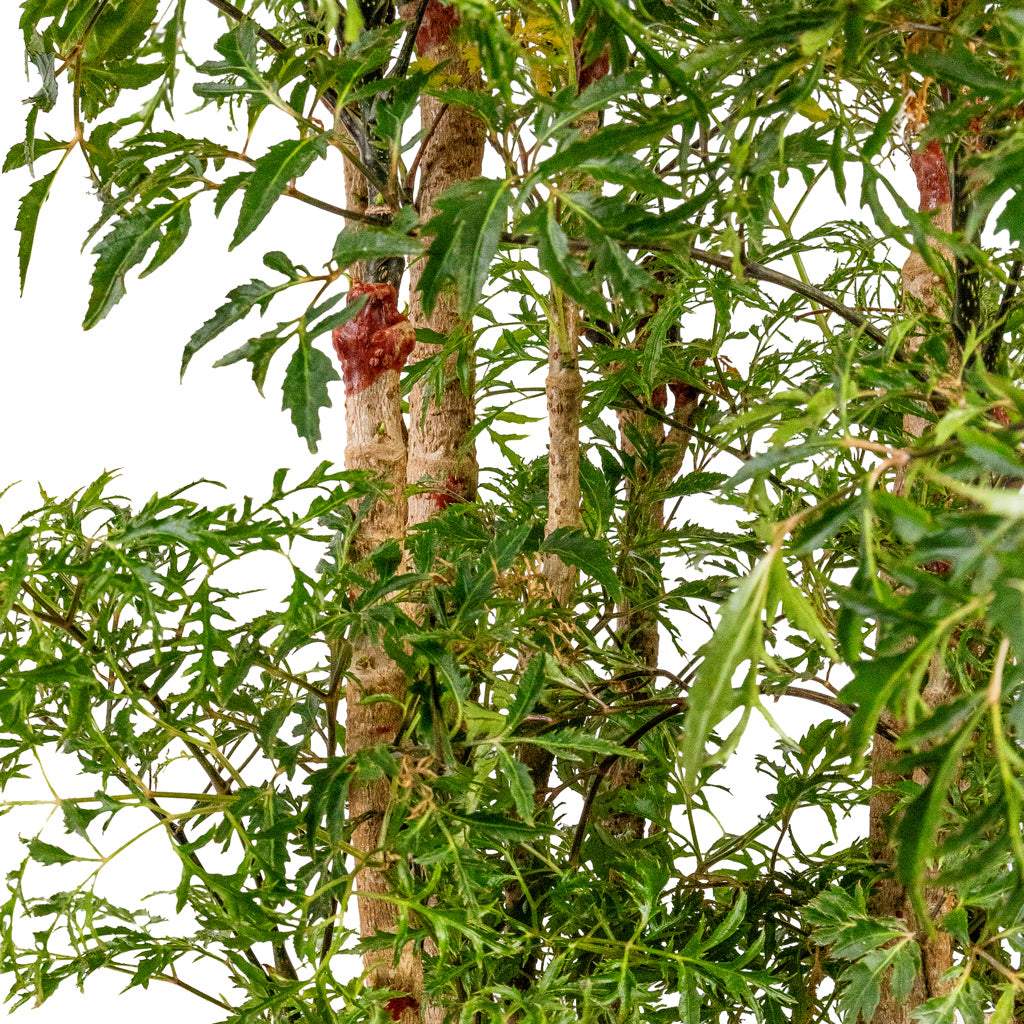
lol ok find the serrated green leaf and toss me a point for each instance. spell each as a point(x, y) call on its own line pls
point(119, 30)
point(274, 170)
point(800, 612)
point(963, 66)
point(695, 483)
point(46, 853)
point(43, 59)
point(590, 157)
point(282, 263)
point(569, 744)
point(496, 827)
point(260, 351)
point(241, 300)
point(305, 390)
point(517, 775)
point(361, 243)
point(557, 262)
point(28, 219)
point(528, 690)
point(737, 638)
point(467, 228)
point(626, 281)
point(509, 542)
point(918, 827)
point(589, 555)
point(176, 228)
point(328, 323)
point(122, 249)
point(873, 685)
point(729, 924)
point(238, 48)
point(19, 156)
point(1003, 1012)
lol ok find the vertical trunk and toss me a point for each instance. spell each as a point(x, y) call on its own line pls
point(640, 542)
point(441, 454)
point(372, 348)
point(564, 387)
point(564, 391)
point(889, 898)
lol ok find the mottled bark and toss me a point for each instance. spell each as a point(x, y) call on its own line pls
point(372, 349)
point(564, 387)
point(442, 457)
point(564, 390)
point(923, 291)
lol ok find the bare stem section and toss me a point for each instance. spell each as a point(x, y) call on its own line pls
point(564, 392)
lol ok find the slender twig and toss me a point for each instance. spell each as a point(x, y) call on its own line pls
point(605, 767)
point(239, 15)
point(339, 211)
point(410, 178)
point(995, 342)
point(402, 64)
point(751, 269)
point(759, 272)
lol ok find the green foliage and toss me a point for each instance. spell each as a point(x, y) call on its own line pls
point(566, 837)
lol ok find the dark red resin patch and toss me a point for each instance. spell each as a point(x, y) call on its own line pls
point(595, 70)
point(436, 27)
point(453, 494)
point(399, 1004)
point(376, 339)
point(932, 173)
point(684, 394)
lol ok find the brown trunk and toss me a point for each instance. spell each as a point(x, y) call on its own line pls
point(923, 289)
point(372, 348)
point(564, 387)
point(564, 384)
point(641, 529)
point(442, 458)
point(442, 463)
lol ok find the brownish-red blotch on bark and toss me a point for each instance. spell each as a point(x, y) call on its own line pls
point(399, 1004)
point(932, 172)
point(376, 339)
point(587, 74)
point(436, 26)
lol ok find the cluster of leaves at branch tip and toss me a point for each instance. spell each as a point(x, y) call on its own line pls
point(376, 339)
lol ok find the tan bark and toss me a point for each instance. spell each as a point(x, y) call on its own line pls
point(375, 442)
point(442, 458)
point(923, 290)
point(441, 467)
point(372, 348)
point(564, 391)
point(564, 387)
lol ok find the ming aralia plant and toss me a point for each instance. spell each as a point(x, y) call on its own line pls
point(744, 402)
